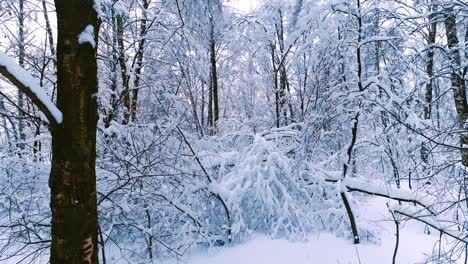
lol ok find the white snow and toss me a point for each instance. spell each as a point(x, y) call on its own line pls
point(325, 248)
point(432, 221)
point(87, 36)
point(31, 83)
point(97, 7)
point(322, 249)
point(377, 188)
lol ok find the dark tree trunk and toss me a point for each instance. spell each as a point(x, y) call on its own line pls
point(429, 85)
point(354, 130)
point(457, 80)
point(139, 62)
point(275, 85)
point(109, 117)
point(73, 176)
point(123, 69)
point(210, 102)
point(430, 66)
point(202, 121)
point(214, 75)
point(397, 237)
point(283, 79)
point(303, 93)
point(50, 36)
point(21, 125)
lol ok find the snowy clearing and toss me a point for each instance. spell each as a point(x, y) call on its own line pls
point(415, 246)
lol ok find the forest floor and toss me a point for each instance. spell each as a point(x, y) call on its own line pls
point(415, 246)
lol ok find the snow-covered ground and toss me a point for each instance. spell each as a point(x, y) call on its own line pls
point(415, 246)
point(325, 248)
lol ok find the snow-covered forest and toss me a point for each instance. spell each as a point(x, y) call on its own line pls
point(228, 131)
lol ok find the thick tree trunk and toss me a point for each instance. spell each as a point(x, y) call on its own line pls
point(73, 177)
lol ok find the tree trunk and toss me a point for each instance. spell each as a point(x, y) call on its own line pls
point(210, 102)
point(123, 69)
point(214, 75)
point(429, 85)
point(202, 110)
point(457, 80)
point(139, 62)
point(50, 36)
point(282, 69)
point(354, 130)
point(73, 176)
point(5, 126)
point(21, 127)
point(275, 85)
point(113, 102)
point(430, 66)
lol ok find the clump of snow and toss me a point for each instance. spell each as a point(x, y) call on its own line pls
point(30, 82)
point(87, 36)
point(97, 7)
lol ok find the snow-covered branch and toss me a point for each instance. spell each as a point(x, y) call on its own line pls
point(380, 189)
point(28, 85)
point(430, 221)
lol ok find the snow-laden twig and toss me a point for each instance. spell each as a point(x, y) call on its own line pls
point(383, 190)
point(380, 189)
point(28, 85)
point(431, 221)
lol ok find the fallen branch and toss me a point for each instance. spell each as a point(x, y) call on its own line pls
point(426, 220)
point(382, 190)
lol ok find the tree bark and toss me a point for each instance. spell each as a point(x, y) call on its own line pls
point(284, 92)
point(430, 66)
point(275, 84)
point(21, 126)
point(214, 75)
point(50, 36)
point(139, 62)
point(73, 176)
point(113, 102)
point(397, 237)
point(123, 69)
point(210, 102)
point(354, 130)
point(457, 80)
point(429, 85)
